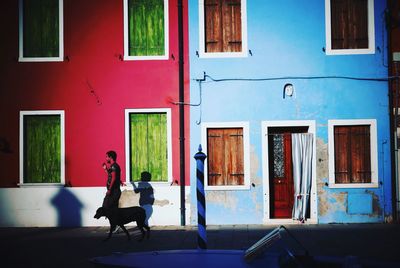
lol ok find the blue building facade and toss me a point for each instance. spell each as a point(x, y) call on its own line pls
point(289, 100)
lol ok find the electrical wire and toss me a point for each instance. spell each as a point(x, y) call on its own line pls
point(198, 122)
point(212, 79)
point(372, 79)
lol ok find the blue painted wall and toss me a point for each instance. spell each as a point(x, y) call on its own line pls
point(287, 38)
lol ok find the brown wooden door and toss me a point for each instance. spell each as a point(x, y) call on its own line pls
point(281, 176)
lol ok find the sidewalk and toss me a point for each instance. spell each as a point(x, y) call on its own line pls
point(73, 247)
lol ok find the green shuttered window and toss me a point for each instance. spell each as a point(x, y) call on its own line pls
point(148, 146)
point(42, 149)
point(146, 27)
point(40, 29)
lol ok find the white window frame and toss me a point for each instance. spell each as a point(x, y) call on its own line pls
point(167, 111)
point(373, 153)
point(246, 151)
point(21, 146)
point(371, 33)
point(60, 37)
point(126, 36)
point(202, 49)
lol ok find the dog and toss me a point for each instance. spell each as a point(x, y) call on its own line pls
point(121, 216)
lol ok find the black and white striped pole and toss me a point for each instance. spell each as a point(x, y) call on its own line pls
point(201, 200)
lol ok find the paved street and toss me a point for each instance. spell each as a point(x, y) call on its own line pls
point(73, 247)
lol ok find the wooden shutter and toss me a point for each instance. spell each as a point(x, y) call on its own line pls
point(42, 149)
point(232, 26)
point(352, 154)
point(349, 24)
point(149, 145)
point(213, 25)
point(41, 28)
point(216, 157)
point(234, 156)
point(223, 25)
point(225, 156)
point(360, 154)
point(342, 159)
point(146, 27)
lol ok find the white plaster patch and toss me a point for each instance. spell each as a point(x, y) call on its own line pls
point(322, 160)
point(254, 166)
point(128, 199)
point(225, 198)
point(328, 202)
point(161, 203)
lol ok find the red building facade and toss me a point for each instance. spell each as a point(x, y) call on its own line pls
point(95, 83)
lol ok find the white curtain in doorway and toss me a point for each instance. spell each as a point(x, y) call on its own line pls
point(302, 153)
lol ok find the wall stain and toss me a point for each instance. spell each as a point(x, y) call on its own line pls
point(129, 198)
point(255, 180)
point(230, 199)
point(161, 203)
point(254, 167)
point(322, 160)
point(328, 202)
point(331, 201)
point(376, 207)
point(227, 199)
point(258, 206)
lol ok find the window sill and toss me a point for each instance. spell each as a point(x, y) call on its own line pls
point(129, 185)
point(332, 52)
point(226, 188)
point(139, 58)
point(41, 185)
point(55, 59)
point(353, 185)
point(212, 55)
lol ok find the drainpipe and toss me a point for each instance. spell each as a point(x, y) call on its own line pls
point(181, 113)
point(395, 88)
point(392, 114)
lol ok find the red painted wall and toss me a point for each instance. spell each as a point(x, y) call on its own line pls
point(93, 43)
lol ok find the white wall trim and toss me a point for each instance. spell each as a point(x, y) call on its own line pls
point(169, 141)
point(46, 206)
point(246, 152)
point(371, 33)
point(374, 152)
point(21, 146)
point(127, 57)
point(202, 51)
point(60, 32)
point(265, 168)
